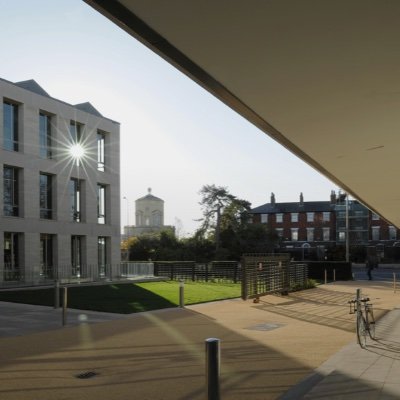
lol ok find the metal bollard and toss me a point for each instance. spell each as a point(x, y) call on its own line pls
point(212, 368)
point(394, 282)
point(326, 277)
point(64, 309)
point(56, 294)
point(181, 293)
point(334, 275)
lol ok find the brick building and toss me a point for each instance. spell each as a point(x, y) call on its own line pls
point(313, 227)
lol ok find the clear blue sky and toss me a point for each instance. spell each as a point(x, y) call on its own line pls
point(175, 137)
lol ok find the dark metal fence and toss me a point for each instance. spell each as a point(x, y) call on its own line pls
point(189, 270)
point(264, 274)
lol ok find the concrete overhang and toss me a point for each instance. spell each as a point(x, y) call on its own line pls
point(321, 77)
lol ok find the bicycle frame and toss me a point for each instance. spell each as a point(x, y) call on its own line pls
point(365, 322)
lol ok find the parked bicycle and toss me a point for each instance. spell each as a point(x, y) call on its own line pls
point(365, 321)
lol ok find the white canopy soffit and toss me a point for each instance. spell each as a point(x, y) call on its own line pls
point(322, 77)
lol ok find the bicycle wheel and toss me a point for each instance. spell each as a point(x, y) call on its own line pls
point(369, 316)
point(361, 331)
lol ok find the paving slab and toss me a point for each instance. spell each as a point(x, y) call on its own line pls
point(300, 345)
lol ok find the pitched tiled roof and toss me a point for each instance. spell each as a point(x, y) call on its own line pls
point(307, 206)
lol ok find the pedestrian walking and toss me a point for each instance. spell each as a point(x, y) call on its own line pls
point(370, 264)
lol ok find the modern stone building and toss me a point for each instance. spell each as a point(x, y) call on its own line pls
point(60, 190)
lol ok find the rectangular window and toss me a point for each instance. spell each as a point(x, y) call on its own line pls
point(46, 256)
point(375, 217)
point(75, 199)
point(294, 217)
point(310, 234)
point(102, 255)
point(75, 131)
point(264, 218)
point(10, 126)
point(279, 232)
point(46, 201)
point(10, 192)
point(326, 232)
point(375, 233)
point(342, 236)
point(326, 216)
point(279, 218)
point(392, 233)
point(295, 234)
point(11, 256)
point(310, 217)
point(45, 135)
point(101, 137)
point(76, 255)
point(101, 203)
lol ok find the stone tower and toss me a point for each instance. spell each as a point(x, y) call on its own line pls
point(149, 211)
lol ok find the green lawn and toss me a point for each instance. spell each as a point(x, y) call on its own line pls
point(128, 297)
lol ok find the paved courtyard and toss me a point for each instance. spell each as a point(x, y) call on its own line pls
point(283, 347)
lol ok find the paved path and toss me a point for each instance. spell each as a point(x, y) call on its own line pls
point(290, 347)
point(21, 319)
point(354, 373)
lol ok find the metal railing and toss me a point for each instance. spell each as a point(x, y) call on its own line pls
point(190, 270)
point(39, 275)
point(265, 274)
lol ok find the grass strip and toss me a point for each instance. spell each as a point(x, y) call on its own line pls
point(127, 298)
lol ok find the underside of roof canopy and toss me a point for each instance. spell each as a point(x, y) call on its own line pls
point(321, 77)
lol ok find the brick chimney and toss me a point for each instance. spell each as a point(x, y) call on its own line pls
point(272, 199)
point(301, 199)
point(333, 197)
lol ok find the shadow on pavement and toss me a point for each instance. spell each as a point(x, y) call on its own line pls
point(160, 356)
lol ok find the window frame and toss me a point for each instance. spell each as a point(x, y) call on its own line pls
point(375, 233)
point(310, 216)
point(12, 265)
point(101, 148)
point(13, 132)
point(326, 238)
point(45, 137)
point(75, 193)
point(101, 203)
point(13, 209)
point(75, 131)
point(326, 216)
point(102, 255)
point(46, 196)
